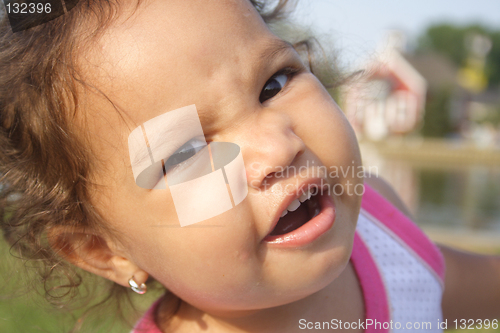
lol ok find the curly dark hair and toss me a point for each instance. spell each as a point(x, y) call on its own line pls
point(45, 166)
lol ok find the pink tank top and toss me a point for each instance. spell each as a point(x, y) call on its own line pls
point(400, 270)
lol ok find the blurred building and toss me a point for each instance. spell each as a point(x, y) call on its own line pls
point(390, 98)
point(398, 88)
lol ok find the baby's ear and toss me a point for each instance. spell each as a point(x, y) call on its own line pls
point(95, 254)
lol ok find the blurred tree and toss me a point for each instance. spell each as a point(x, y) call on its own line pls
point(450, 40)
point(437, 121)
point(493, 60)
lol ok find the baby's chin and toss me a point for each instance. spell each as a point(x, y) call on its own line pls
point(251, 297)
point(247, 305)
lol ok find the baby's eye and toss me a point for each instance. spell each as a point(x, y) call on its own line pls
point(273, 86)
point(185, 152)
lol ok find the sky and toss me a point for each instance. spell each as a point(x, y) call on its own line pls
point(357, 26)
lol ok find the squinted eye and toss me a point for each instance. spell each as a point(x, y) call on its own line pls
point(188, 150)
point(273, 86)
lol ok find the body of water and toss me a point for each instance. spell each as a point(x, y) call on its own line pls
point(459, 196)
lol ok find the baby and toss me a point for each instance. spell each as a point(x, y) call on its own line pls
point(288, 256)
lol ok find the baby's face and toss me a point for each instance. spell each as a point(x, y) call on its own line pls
point(220, 56)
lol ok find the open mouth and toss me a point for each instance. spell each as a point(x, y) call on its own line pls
point(298, 213)
point(305, 219)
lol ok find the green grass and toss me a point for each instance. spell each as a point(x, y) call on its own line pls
point(26, 312)
point(22, 315)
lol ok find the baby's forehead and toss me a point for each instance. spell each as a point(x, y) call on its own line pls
point(168, 52)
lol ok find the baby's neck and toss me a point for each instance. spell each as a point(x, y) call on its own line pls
point(342, 300)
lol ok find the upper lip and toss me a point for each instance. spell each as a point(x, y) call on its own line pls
point(320, 183)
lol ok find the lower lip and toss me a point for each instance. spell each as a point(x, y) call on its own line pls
point(311, 230)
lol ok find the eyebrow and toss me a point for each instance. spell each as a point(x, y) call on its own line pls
point(276, 48)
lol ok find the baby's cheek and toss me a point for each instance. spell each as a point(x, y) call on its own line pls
point(218, 282)
point(212, 260)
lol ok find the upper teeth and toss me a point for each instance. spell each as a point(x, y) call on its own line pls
point(296, 203)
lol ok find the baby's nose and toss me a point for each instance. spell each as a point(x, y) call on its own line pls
point(271, 147)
